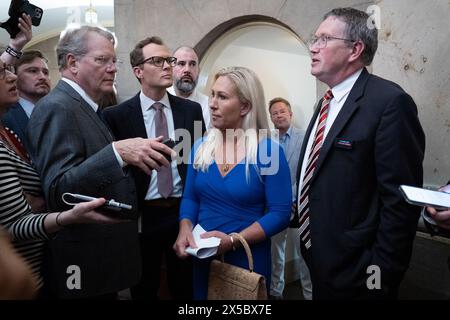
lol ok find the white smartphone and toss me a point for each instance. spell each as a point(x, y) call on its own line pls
point(424, 197)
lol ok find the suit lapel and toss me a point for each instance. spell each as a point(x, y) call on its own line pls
point(349, 108)
point(21, 118)
point(136, 118)
point(306, 139)
point(84, 106)
point(177, 113)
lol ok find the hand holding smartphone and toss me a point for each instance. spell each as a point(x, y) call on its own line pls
point(16, 9)
point(171, 144)
point(440, 200)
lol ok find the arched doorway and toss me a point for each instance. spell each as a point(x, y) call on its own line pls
point(276, 54)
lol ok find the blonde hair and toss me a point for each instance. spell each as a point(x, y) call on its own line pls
point(249, 90)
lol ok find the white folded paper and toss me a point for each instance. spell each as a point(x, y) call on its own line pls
point(205, 247)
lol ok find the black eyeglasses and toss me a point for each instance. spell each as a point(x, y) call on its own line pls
point(321, 42)
point(9, 67)
point(159, 61)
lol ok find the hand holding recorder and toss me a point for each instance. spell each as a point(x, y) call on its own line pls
point(69, 199)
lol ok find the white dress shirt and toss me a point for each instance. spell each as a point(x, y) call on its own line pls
point(201, 99)
point(340, 94)
point(149, 120)
point(27, 106)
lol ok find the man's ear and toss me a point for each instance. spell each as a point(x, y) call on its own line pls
point(138, 72)
point(245, 108)
point(357, 50)
point(72, 63)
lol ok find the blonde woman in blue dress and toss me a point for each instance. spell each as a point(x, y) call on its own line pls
point(238, 179)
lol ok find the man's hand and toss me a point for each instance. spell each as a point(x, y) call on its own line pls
point(146, 154)
point(441, 217)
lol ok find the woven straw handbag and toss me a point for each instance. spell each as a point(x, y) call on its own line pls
point(229, 282)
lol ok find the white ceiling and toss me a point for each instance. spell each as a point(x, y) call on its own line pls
point(58, 14)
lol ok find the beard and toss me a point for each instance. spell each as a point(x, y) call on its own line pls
point(185, 87)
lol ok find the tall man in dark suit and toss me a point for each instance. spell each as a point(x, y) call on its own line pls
point(33, 83)
point(153, 113)
point(364, 140)
point(74, 152)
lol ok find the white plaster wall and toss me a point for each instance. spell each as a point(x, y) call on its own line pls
point(414, 51)
point(277, 77)
point(188, 22)
point(413, 48)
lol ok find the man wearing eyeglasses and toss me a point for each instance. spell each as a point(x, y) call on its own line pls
point(33, 83)
point(364, 140)
point(153, 112)
point(74, 152)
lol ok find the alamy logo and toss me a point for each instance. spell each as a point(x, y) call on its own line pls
point(374, 279)
point(74, 279)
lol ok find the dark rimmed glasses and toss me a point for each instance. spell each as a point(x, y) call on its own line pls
point(159, 61)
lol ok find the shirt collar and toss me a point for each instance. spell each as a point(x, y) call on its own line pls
point(289, 132)
point(343, 88)
point(147, 102)
point(82, 93)
point(193, 96)
point(27, 105)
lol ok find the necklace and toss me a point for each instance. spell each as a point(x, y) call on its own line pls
point(11, 141)
point(226, 167)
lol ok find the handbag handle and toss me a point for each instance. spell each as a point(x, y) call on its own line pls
point(248, 251)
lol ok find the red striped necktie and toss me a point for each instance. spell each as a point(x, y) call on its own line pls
point(303, 204)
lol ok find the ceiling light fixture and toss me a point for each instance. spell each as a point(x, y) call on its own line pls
point(90, 16)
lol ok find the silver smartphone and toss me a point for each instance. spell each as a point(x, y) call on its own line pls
point(425, 197)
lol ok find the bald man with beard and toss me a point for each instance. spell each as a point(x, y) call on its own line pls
point(185, 79)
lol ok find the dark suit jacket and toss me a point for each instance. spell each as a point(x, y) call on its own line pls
point(72, 150)
point(16, 119)
point(126, 121)
point(358, 217)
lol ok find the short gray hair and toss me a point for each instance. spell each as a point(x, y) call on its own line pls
point(74, 41)
point(357, 29)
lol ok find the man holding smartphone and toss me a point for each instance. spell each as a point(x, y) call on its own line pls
point(438, 221)
point(154, 113)
point(74, 151)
